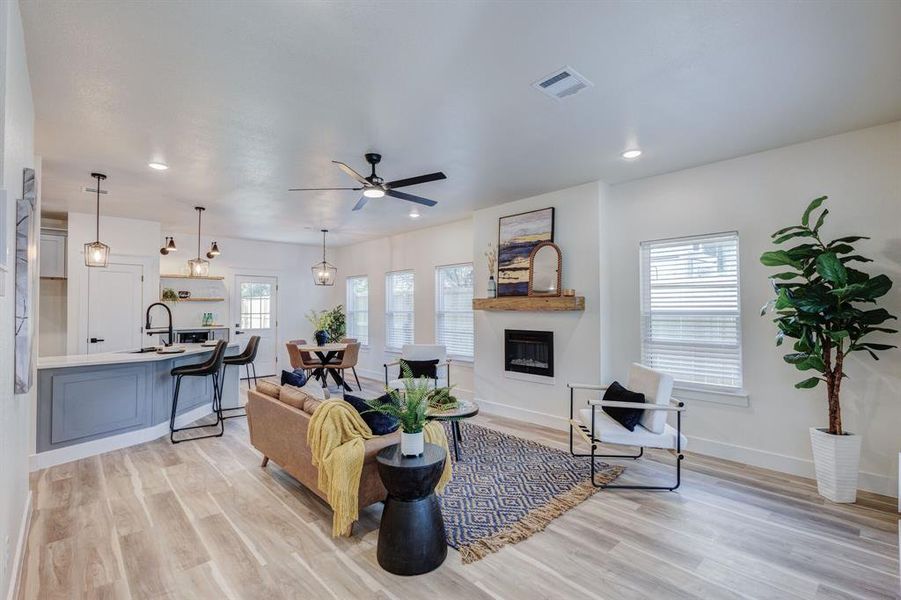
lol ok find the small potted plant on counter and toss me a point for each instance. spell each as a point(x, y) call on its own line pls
point(822, 303)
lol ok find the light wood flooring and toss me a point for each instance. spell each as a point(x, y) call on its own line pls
point(203, 520)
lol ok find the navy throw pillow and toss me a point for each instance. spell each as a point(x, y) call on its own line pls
point(379, 423)
point(296, 378)
point(420, 368)
point(627, 417)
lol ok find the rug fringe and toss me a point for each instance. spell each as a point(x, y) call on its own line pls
point(536, 520)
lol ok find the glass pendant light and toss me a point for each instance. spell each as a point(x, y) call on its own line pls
point(96, 253)
point(198, 267)
point(324, 273)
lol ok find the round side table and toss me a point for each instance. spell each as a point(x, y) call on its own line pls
point(411, 534)
point(464, 410)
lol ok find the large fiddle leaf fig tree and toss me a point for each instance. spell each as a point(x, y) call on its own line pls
point(824, 304)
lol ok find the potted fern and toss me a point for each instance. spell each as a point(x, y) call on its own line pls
point(821, 303)
point(410, 407)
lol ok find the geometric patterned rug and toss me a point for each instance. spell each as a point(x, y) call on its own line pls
point(505, 489)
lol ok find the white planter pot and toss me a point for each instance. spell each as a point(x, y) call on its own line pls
point(836, 459)
point(411, 444)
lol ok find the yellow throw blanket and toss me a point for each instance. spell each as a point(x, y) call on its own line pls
point(336, 436)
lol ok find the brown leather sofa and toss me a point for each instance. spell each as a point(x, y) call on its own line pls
point(279, 416)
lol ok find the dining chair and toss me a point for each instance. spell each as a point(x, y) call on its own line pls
point(348, 360)
point(300, 359)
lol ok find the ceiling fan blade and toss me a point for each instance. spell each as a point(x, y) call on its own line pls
point(361, 202)
point(351, 172)
point(417, 180)
point(321, 189)
point(411, 198)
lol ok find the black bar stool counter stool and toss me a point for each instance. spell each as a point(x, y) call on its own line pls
point(244, 359)
point(209, 368)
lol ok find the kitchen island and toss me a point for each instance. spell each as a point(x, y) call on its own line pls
point(92, 403)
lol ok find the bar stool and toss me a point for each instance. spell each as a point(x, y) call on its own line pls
point(208, 368)
point(244, 359)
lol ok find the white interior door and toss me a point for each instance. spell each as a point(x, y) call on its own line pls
point(256, 304)
point(114, 308)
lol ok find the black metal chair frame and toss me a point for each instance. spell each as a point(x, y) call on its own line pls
point(218, 354)
point(247, 368)
point(678, 408)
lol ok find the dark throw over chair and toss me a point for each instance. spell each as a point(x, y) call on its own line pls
point(209, 368)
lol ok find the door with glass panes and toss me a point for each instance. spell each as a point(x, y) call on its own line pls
point(256, 303)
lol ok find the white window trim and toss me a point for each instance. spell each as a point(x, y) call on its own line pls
point(690, 390)
point(455, 357)
point(363, 347)
point(393, 349)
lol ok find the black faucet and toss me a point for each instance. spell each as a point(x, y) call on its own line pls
point(147, 327)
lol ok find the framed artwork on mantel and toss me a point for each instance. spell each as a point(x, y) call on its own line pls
point(517, 236)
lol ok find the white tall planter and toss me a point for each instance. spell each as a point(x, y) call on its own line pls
point(412, 444)
point(836, 459)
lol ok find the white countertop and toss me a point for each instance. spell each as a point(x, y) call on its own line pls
point(114, 358)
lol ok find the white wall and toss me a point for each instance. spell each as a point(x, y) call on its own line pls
point(756, 195)
point(131, 241)
point(290, 263)
point(577, 347)
point(421, 250)
point(18, 153)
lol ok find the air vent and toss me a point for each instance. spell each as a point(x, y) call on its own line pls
point(562, 83)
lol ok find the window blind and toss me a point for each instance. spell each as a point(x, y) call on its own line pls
point(690, 310)
point(398, 309)
point(453, 309)
point(357, 307)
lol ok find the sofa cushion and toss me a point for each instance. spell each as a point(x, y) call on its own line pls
point(311, 405)
point(297, 378)
point(269, 388)
point(293, 396)
point(379, 423)
point(627, 417)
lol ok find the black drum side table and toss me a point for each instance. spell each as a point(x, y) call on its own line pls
point(411, 535)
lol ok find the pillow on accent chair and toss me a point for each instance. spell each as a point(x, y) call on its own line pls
point(420, 368)
point(379, 424)
point(296, 378)
point(627, 417)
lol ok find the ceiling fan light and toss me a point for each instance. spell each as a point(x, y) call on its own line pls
point(374, 192)
point(631, 154)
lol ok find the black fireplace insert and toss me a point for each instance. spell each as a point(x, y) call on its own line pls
point(529, 352)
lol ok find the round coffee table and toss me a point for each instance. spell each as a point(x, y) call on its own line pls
point(464, 410)
point(411, 534)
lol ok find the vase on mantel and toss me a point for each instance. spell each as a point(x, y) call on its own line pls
point(492, 287)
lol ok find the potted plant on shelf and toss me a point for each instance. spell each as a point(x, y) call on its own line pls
point(169, 295)
point(410, 407)
point(820, 302)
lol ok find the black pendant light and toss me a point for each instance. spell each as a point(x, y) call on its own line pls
point(324, 273)
point(96, 253)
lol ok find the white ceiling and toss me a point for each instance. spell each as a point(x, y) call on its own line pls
point(246, 99)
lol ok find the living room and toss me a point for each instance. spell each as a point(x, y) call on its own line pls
point(359, 299)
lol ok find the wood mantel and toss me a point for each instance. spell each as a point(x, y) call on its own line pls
point(530, 303)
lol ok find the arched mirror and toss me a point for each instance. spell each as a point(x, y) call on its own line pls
point(545, 266)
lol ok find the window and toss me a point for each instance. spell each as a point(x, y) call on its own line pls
point(690, 311)
point(357, 307)
point(255, 305)
point(398, 309)
point(453, 309)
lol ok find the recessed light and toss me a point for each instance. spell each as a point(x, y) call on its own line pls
point(374, 192)
point(158, 166)
point(414, 214)
point(630, 154)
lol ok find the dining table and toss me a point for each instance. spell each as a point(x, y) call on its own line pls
point(327, 353)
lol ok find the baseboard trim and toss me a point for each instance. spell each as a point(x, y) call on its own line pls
point(50, 458)
point(870, 482)
point(18, 563)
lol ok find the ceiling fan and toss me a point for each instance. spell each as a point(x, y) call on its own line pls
point(376, 187)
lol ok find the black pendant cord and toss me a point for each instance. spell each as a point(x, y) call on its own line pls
point(98, 208)
point(200, 210)
point(324, 231)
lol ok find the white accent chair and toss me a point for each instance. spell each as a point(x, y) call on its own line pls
point(421, 352)
point(597, 427)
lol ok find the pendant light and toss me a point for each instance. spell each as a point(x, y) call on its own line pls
point(169, 246)
point(324, 273)
point(198, 267)
point(96, 253)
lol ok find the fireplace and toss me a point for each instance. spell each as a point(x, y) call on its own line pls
point(529, 352)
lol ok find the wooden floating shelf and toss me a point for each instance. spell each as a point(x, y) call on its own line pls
point(530, 303)
point(193, 299)
point(176, 276)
